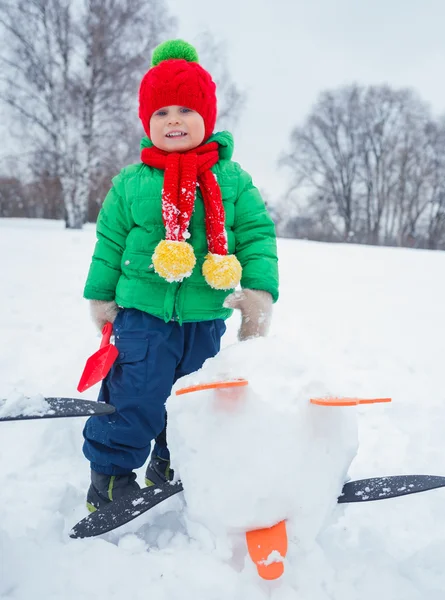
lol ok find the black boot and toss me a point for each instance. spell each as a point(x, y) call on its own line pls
point(106, 488)
point(158, 471)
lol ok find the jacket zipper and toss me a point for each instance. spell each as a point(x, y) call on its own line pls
point(175, 315)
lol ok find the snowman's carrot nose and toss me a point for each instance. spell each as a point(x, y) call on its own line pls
point(267, 548)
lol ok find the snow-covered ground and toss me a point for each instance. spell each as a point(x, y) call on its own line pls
point(351, 320)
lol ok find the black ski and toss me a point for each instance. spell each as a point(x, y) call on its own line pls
point(122, 511)
point(362, 490)
point(61, 407)
point(381, 488)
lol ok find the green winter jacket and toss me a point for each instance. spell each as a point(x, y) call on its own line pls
point(130, 226)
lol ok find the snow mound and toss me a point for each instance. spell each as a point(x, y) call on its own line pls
point(252, 456)
point(17, 404)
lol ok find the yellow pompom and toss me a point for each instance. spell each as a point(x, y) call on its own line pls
point(174, 261)
point(222, 272)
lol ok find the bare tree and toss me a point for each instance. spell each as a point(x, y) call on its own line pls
point(323, 157)
point(71, 69)
point(392, 161)
point(380, 118)
point(368, 158)
point(435, 213)
point(116, 38)
point(34, 58)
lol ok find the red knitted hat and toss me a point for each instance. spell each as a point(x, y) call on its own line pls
point(177, 78)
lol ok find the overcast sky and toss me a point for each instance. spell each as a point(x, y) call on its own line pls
point(284, 52)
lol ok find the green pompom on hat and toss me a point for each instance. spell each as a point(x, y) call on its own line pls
point(174, 49)
point(177, 78)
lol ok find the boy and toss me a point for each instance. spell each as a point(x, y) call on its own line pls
point(176, 234)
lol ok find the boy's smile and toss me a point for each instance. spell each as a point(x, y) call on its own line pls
point(176, 128)
point(175, 134)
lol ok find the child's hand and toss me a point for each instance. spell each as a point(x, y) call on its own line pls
point(256, 311)
point(103, 311)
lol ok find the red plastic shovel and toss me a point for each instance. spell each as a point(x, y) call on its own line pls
point(99, 363)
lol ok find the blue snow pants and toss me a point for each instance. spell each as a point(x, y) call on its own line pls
point(152, 356)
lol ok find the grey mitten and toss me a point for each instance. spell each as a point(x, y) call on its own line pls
point(103, 311)
point(256, 312)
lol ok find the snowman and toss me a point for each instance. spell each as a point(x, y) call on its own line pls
point(254, 453)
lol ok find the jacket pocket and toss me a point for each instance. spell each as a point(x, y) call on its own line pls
point(129, 374)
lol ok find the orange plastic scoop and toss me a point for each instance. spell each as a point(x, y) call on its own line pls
point(334, 401)
point(267, 548)
point(99, 363)
point(215, 385)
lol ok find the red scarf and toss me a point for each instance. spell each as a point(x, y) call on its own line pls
point(182, 173)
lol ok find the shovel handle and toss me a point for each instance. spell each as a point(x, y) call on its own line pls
point(106, 334)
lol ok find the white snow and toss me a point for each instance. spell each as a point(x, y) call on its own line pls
point(17, 404)
point(354, 321)
point(273, 557)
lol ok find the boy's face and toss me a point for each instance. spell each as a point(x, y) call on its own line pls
point(176, 128)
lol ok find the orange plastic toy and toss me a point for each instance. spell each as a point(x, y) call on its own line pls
point(267, 548)
point(333, 401)
point(215, 385)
